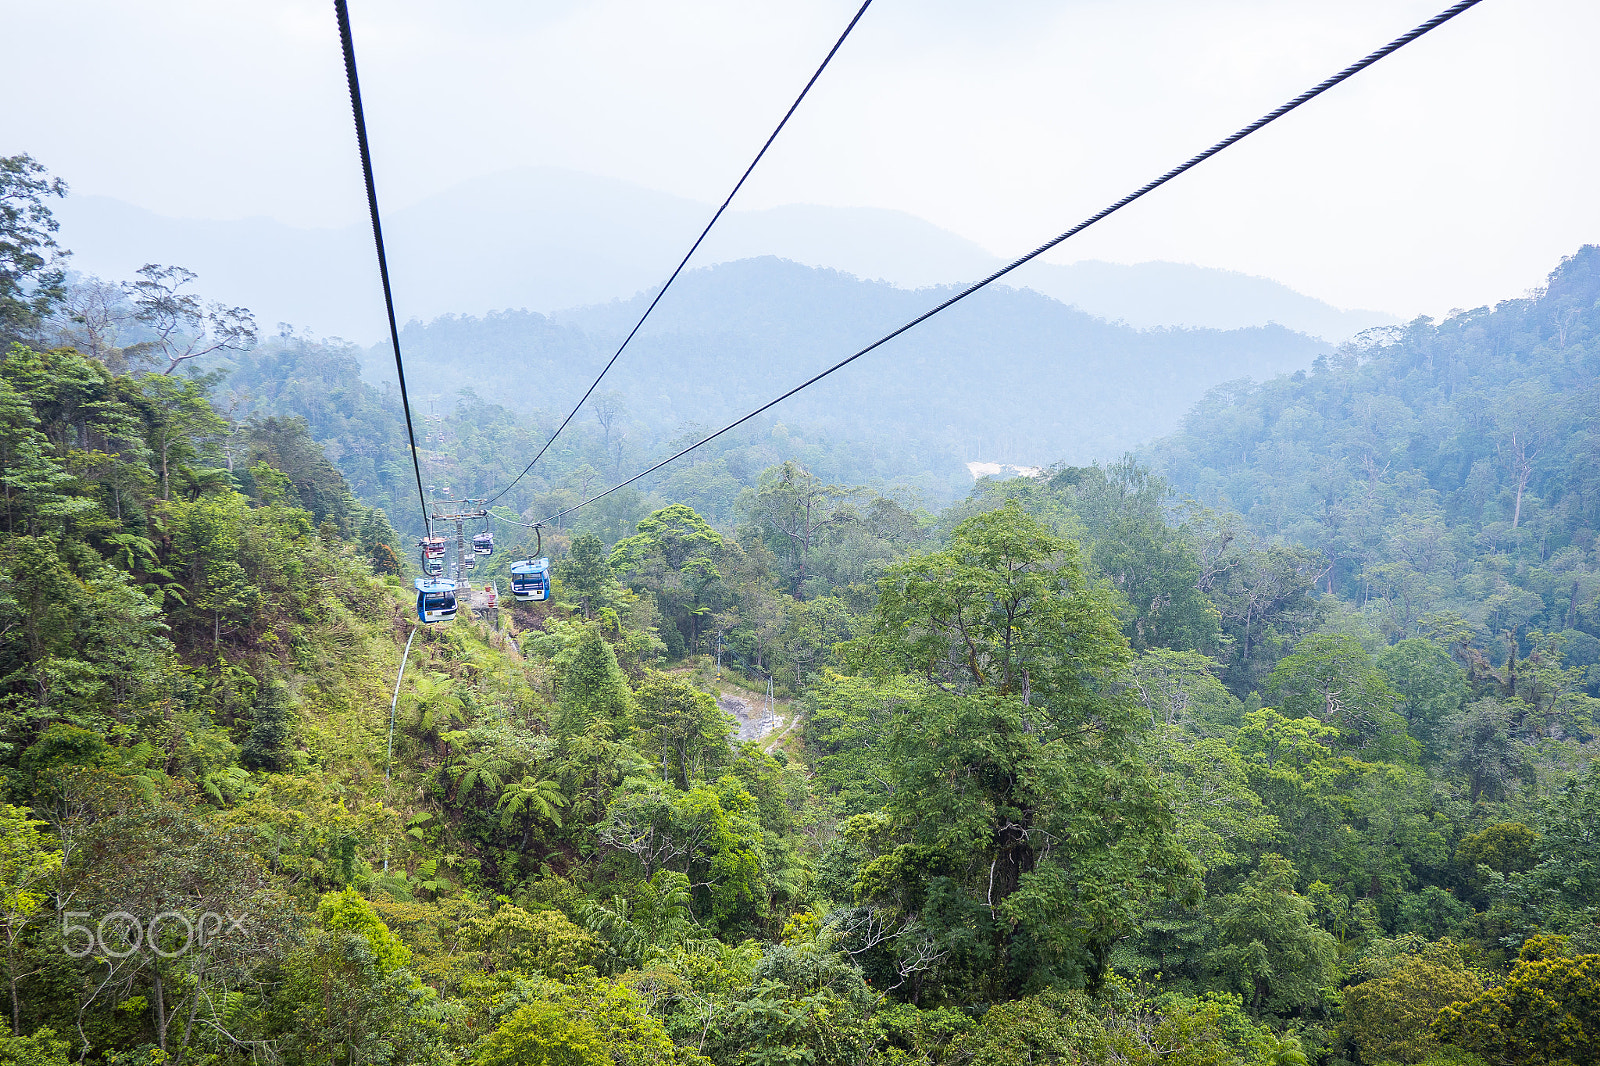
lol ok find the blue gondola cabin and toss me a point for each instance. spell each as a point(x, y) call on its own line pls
point(530, 579)
point(436, 601)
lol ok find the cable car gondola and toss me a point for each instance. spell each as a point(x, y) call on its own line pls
point(530, 579)
point(483, 543)
point(432, 547)
point(436, 601)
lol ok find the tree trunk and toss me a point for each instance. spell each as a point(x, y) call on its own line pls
point(161, 1009)
point(1511, 664)
point(11, 976)
point(805, 550)
point(194, 1008)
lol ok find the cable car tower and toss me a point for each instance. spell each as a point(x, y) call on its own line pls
point(468, 547)
point(465, 550)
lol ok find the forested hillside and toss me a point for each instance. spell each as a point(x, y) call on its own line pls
point(1447, 474)
point(1074, 770)
point(474, 444)
point(1008, 376)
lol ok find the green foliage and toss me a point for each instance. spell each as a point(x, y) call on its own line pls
point(1432, 684)
point(542, 1034)
point(266, 746)
point(347, 912)
point(1026, 804)
point(563, 1017)
point(30, 271)
point(685, 725)
point(281, 451)
point(1546, 1012)
point(975, 795)
point(847, 726)
point(711, 834)
point(592, 688)
point(1021, 832)
point(675, 533)
point(30, 866)
point(1388, 1016)
point(1272, 951)
point(1180, 688)
point(40, 1049)
point(339, 1003)
point(1333, 679)
point(585, 574)
point(1218, 819)
point(543, 942)
point(1005, 606)
point(825, 537)
point(1504, 847)
point(1067, 1027)
point(79, 641)
point(1155, 566)
point(1048, 1027)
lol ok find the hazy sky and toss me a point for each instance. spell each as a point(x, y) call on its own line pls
point(1454, 173)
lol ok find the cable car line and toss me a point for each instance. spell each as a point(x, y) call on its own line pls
point(687, 256)
point(348, 43)
point(1194, 161)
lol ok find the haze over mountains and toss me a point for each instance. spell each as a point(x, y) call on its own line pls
point(1007, 376)
point(548, 239)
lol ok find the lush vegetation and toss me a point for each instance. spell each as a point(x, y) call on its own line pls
point(1077, 769)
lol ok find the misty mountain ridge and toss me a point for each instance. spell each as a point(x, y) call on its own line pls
point(1009, 375)
point(551, 239)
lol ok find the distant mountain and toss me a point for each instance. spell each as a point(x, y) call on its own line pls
point(1009, 376)
point(547, 239)
point(1149, 295)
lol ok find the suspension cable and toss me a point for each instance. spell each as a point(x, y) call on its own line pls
point(343, 14)
point(1194, 161)
point(688, 255)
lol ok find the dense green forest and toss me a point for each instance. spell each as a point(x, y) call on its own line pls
point(1270, 747)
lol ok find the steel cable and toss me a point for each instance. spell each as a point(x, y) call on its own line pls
point(343, 14)
point(690, 254)
point(1194, 161)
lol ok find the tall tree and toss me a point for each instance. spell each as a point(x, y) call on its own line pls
point(180, 417)
point(688, 726)
point(1022, 830)
point(184, 327)
point(790, 507)
point(1332, 678)
point(585, 574)
point(1005, 606)
point(30, 261)
point(593, 688)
